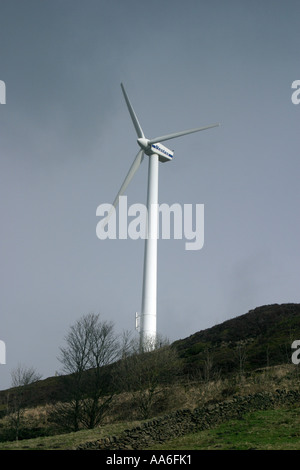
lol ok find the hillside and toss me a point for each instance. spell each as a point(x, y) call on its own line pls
point(262, 337)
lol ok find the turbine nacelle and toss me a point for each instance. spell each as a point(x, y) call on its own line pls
point(164, 154)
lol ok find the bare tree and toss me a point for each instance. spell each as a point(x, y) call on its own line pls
point(90, 345)
point(208, 365)
point(75, 359)
point(146, 374)
point(21, 378)
point(104, 349)
point(240, 353)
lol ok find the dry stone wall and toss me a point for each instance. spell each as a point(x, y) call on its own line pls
point(187, 421)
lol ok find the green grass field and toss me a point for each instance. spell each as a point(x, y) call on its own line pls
point(262, 430)
point(67, 441)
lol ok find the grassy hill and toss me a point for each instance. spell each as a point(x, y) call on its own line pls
point(260, 338)
point(251, 352)
point(257, 339)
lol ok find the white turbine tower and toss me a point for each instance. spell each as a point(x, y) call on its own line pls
point(146, 322)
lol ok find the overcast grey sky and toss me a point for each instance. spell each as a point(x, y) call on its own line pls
point(67, 142)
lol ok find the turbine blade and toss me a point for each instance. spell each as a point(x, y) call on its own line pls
point(135, 121)
point(178, 134)
point(133, 169)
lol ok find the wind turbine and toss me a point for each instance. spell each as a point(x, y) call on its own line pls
point(146, 322)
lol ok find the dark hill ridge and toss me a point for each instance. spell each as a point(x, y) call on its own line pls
point(252, 324)
point(263, 335)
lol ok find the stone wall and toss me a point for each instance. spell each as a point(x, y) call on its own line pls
point(183, 422)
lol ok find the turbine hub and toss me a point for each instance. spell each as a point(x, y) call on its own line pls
point(143, 143)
